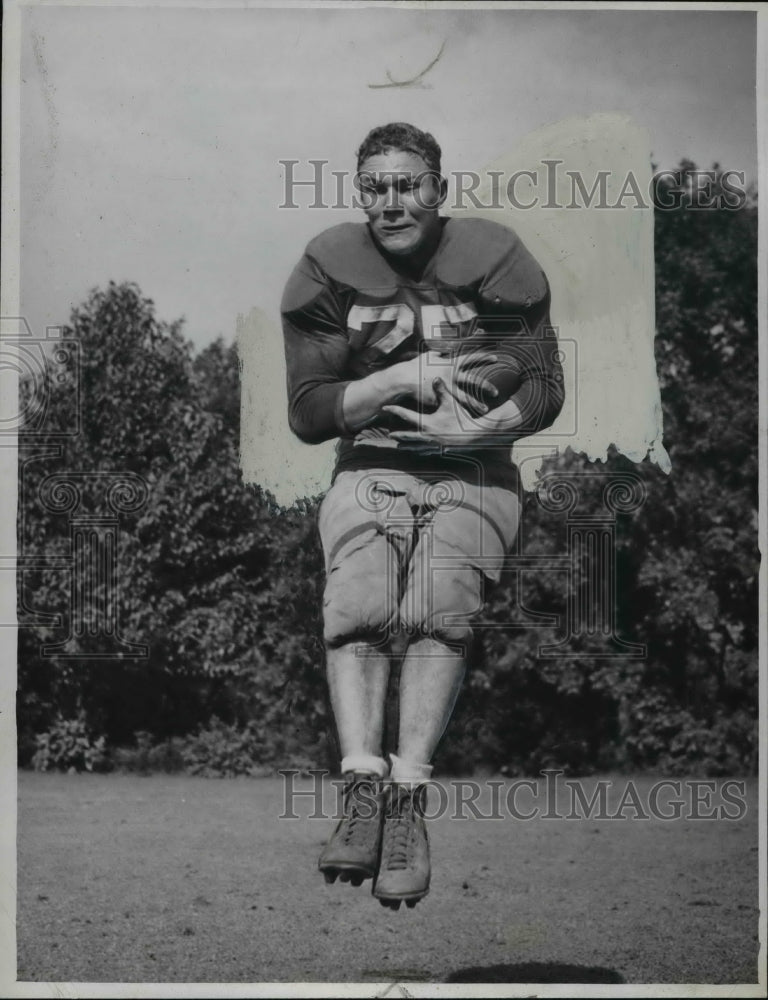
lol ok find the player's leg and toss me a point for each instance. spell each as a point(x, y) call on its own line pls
point(360, 603)
point(430, 681)
point(432, 674)
point(460, 548)
point(358, 675)
point(444, 592)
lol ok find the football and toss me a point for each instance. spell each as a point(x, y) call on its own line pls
point(503, 370)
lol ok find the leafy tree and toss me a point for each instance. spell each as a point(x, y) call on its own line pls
point(186, 556)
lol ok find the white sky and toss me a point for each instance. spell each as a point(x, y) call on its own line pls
point(151, 137)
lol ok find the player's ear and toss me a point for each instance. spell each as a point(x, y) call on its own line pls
point(440, 185)
point(443, 188)
point(432, 190)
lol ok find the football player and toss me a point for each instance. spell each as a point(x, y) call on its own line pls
point(423, 344)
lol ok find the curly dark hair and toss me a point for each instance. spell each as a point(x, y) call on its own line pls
point(402, 136)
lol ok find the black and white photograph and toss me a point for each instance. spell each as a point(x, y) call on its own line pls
point(383, 438)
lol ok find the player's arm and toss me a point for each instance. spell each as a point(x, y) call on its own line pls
point(323, 403)
point(540, 395)
point(452, 425)
point(317, 355)
point(514, 301)
point(315, 360)
point(366, 398)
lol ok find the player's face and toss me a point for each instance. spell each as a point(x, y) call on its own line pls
point(402, 198)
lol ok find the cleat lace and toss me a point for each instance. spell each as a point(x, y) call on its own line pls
point(358, 809)
point(400, 833)
point(398, 855)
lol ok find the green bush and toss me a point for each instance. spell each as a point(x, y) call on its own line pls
point(148, 757)
point(69, 746)
point(671, 740)
point(224, 751)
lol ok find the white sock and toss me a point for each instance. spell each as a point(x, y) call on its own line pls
point(365, 762)
point(408, 772)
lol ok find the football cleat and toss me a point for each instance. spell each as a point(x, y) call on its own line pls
point(352, 853)
point(404, 869)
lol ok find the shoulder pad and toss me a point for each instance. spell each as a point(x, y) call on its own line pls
point(486, 252)
point(305, 284)
point(336, 256)
point(346, 253)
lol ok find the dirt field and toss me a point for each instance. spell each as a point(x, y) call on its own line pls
point(175, 879)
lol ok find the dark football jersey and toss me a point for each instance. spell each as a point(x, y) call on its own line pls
point(349, 310)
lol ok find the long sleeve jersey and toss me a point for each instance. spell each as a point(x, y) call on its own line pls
point(348, 310)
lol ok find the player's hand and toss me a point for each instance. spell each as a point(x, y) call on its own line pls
point(464, 376)
point(449, 425)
